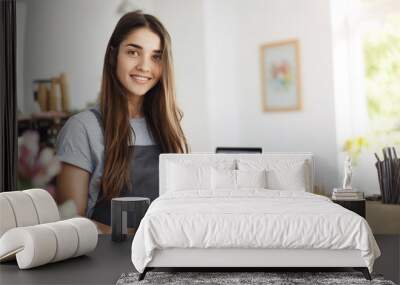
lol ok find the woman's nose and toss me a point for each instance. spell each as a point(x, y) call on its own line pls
point(144, 64)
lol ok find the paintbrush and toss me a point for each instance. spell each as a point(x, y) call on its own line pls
point(393, 196)
point(385, 176)
point(378, 166)
point(396, 175)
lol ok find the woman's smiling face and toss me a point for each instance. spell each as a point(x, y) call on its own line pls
point(139, 65)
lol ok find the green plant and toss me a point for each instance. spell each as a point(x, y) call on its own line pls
point(354, 146)
point(382, 73)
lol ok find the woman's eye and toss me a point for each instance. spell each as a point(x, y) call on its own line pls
point(157, 58)
point(133, 52)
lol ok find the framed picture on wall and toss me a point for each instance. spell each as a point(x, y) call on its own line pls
point(280, 76)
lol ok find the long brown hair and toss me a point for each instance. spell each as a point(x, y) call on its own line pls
point(159, 107)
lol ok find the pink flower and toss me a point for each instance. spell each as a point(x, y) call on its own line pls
point(37, 167)
point(28, 148)
point(46, 168)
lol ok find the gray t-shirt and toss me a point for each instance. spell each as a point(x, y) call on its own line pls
point(80, 143)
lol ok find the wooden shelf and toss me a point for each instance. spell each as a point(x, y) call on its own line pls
point(46, 124)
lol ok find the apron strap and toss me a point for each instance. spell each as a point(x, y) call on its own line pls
point(97, 114)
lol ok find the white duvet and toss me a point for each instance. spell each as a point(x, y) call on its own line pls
point(251, 218)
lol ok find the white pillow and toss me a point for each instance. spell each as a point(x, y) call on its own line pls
point(182, 177)
point(236, 179)
point(223, 179)
point(282, 174)
point(251, 178)
point(288, 179)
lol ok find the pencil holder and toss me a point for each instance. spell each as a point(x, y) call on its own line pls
point(389, 176)
point(120, 207)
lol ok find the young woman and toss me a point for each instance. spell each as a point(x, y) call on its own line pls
point(112, 150)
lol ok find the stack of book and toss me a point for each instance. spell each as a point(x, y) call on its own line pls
point(347, 194)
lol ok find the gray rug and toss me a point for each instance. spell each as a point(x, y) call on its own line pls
point(228, 278)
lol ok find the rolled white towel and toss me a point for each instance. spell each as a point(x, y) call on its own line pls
point(7, 218)
point(66, 238)
point(46, 207)
point(33, 246)
point(40, 244)
point(23, 208)
point(87, 235)
point(26, 208)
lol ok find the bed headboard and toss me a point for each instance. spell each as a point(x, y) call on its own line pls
point(211, 158)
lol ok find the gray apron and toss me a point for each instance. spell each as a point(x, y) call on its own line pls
point(144, 181)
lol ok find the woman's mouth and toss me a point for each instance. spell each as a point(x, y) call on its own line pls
point(140, 79)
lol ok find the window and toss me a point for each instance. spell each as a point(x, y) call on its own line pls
point(381, 46)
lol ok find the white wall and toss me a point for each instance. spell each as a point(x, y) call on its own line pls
point(245, 27)
point(185, 22)
point(68, 36)
point(221, 39)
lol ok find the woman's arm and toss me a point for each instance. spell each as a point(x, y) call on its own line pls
point(73, 184)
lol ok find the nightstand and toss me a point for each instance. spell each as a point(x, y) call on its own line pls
point(357, 206)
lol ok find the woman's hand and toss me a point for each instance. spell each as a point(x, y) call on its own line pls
point(102, 228)
point(106, 229)
point(73, 184)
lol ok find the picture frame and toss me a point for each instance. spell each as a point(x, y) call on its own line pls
point(280, 76)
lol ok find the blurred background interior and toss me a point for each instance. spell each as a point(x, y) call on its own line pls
point(349, 60)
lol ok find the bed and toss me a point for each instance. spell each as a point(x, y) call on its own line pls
point(246, 211)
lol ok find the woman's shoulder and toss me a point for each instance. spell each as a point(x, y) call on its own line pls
point(85, 119)
point(79, 142)
point(82, 126)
